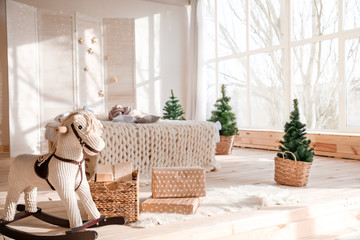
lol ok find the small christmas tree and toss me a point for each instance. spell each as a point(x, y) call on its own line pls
point(173, 109)
point(295, 138)
point(224, 115)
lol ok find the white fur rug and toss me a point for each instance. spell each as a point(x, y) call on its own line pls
point(225, 200)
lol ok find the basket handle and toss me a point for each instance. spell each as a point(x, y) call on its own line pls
point(283, 154)
point(108, 185)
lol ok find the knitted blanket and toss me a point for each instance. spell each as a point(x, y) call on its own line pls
point(161, 144)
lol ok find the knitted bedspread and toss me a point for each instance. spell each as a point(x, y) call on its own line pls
point(161, 144)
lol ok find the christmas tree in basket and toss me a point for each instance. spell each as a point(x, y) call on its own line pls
point(293, 161)
point(227, 118)
point(173, 109)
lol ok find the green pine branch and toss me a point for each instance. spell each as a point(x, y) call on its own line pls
point(294, 139)
point(224, 115)
point(173, 109)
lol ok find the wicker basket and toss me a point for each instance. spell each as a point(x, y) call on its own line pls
point(290, 172)
point(225, 146)
point(117, 198)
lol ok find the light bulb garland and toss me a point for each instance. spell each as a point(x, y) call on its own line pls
point(123, 30)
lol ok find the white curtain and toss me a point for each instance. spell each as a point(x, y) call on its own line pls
point(195, 85)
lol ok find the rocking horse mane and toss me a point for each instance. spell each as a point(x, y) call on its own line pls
point(93, 125)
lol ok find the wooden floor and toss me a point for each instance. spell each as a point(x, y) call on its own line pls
point(329, 206)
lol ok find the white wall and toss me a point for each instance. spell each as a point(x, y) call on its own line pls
point(24, 99)
point(161, 35)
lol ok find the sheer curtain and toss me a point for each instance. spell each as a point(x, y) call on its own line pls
point(195, 84)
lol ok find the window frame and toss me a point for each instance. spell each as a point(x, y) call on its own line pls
point(286, 46)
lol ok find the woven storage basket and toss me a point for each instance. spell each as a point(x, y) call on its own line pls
point(117, 198)
point(290, 172)
point(225, 146)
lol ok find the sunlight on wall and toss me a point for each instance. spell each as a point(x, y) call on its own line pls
point(148, 79)
point(23, 98)
point(23, 119)
point(89, 28)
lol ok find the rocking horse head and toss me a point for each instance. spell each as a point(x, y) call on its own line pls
point(80, 130)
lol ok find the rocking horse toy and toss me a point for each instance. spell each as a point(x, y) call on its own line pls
point(61, 170)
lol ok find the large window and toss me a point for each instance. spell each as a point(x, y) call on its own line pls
point(268, 52)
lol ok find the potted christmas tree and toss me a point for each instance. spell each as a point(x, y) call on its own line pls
point(293, 162)
point(173, 109)
point(227, 119)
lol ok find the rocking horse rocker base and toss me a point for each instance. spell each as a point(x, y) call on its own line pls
point(77, 233)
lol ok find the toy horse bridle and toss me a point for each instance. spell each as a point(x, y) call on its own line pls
point(82, 143)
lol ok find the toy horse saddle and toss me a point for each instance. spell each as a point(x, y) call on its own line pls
point(41, 168)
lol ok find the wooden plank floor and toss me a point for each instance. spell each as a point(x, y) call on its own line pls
point(329, 206)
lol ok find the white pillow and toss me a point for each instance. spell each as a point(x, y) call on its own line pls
point(124, 119)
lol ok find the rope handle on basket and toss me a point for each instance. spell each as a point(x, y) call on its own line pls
point(283, 154)
point(113, 185)
point(110, 185)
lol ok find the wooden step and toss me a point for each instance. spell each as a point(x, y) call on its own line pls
point(279, 222)
point(352, 233)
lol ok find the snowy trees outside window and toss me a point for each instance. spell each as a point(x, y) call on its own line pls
point(268, 52)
